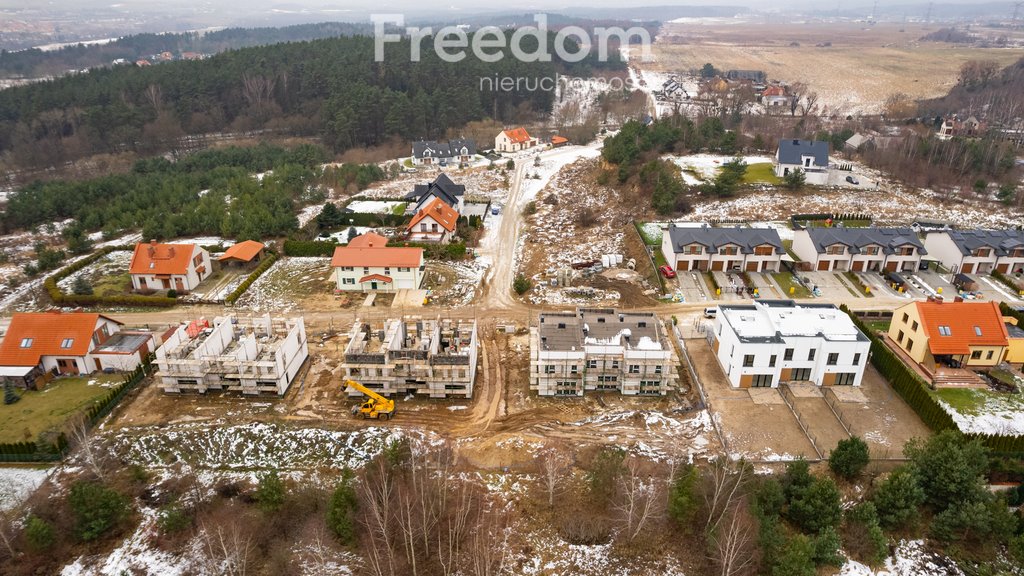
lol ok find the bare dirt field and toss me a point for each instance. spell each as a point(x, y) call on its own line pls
point(502, 426)
point(861, 67)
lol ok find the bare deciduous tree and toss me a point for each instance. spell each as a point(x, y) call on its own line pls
point(225, 550)
point(640, 496)
point(732, 543)
point(553, 465)
point(489, 543)
point(87, 446)
point(725, 480)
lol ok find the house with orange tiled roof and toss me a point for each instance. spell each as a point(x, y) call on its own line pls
point(367, 264)
point(436, 222)
point(514, 140)
point(244, 253)
point(39, 345)
point(941, 335)
point(179, 267)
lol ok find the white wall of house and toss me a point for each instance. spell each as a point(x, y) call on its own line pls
point(940, 246)
point(731, 353)
point(189, 281)
point(502, 143)
point(429, 230)
point(347, 278)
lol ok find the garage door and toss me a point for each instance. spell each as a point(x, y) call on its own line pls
point(1003, 268)
point(752, 266)
point(968, 268)
point(718, 266)
point(858, 266)
point(823, 265)
point(891, 266)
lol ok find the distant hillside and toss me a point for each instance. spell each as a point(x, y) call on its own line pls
point(35, 63)
point(982, 87)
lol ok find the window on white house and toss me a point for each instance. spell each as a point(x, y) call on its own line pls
point(549, 369)
point(833, 359)
point(634, 368)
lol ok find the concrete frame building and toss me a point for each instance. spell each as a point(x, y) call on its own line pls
point(601, 349)
point(774, 341)
point(415, 356)
point(256, 355)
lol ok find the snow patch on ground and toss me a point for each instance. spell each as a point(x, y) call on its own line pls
point(16, 484)
point(998, 414)
point(135, 554)
point(909, 559)
point(706, 166)
point(374, 206)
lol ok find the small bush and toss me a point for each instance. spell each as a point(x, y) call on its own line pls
point(96, 508)
point(521, 284)
point(173, 519)
point(849, 457)
point(342, 508)
point(530, 209)
point(39, 534)
point(270, 492)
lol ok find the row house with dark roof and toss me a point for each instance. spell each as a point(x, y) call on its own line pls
point(441, 188)
point(978, 251)
point(431, 152)
point(705, 249)
point(859, 249)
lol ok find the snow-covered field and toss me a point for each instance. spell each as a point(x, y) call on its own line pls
point(275, 290)
point(374, 206)
point(256, 446)
point(706, 166)
point(17, 483)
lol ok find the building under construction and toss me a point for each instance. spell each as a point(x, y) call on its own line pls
point(414, 356)
point(257, 355)
point(601, 349)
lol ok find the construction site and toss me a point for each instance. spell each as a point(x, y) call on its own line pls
point(601, 349)
point(251, 355)
point(411, 355)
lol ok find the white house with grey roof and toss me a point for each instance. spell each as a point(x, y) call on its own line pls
point(703, 248)
point(455, 151)
point(769, 342)
point(811, 156)
point(601, 349)
point(859, 249)
point(977, 251)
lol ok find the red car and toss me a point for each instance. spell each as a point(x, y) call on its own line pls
point(667, 271)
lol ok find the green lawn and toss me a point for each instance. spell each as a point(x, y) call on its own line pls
point(788, 246)
point(38, 412)
point(786, 281)
point(878, 325)
point(974, 401)
point(761, 173)
point(112, 285)
point(859, 284)
point(399, 209)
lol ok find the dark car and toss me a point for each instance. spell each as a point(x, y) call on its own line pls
point(852, 180)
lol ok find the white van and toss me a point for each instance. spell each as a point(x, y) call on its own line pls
point(710, 312)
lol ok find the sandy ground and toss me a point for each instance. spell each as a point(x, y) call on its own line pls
point(854, 75)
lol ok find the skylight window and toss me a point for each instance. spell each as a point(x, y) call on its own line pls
point(977, 330)
point(26, 342)
point(944, 331)
point(67, 343)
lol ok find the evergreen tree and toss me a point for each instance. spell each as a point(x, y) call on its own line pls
point(10, 396)
point(949, 468)
point(795, 180)
point(682, 498)
point(39, 534)
point(342, 508)
point(817, 507)
point(270, 491)
point(796, 558)
point(96, 508)
point(329, 217)
point(898, 498)
point(849, 457)
point(81, 286)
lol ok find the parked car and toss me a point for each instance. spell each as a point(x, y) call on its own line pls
point(667, 271)
point(710, 312)
point(852, 180)
point(495, 211)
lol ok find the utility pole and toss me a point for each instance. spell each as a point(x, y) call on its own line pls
point(928, 14)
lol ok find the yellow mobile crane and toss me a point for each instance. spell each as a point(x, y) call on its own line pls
point(376, 406)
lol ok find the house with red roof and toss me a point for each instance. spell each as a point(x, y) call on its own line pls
point(39, 344)
point(243, 254)
point(436, 222)
point(367, 264)
point(178, 267)
point(514, 140)
point(940, 335)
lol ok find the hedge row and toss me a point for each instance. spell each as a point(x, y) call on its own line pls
point(308, 248)
point(1012, 312)
point(914, 392)
point(1015, 288)
point(263, 267)
point(60, 298)
point(106, 404)
point(23, 448)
